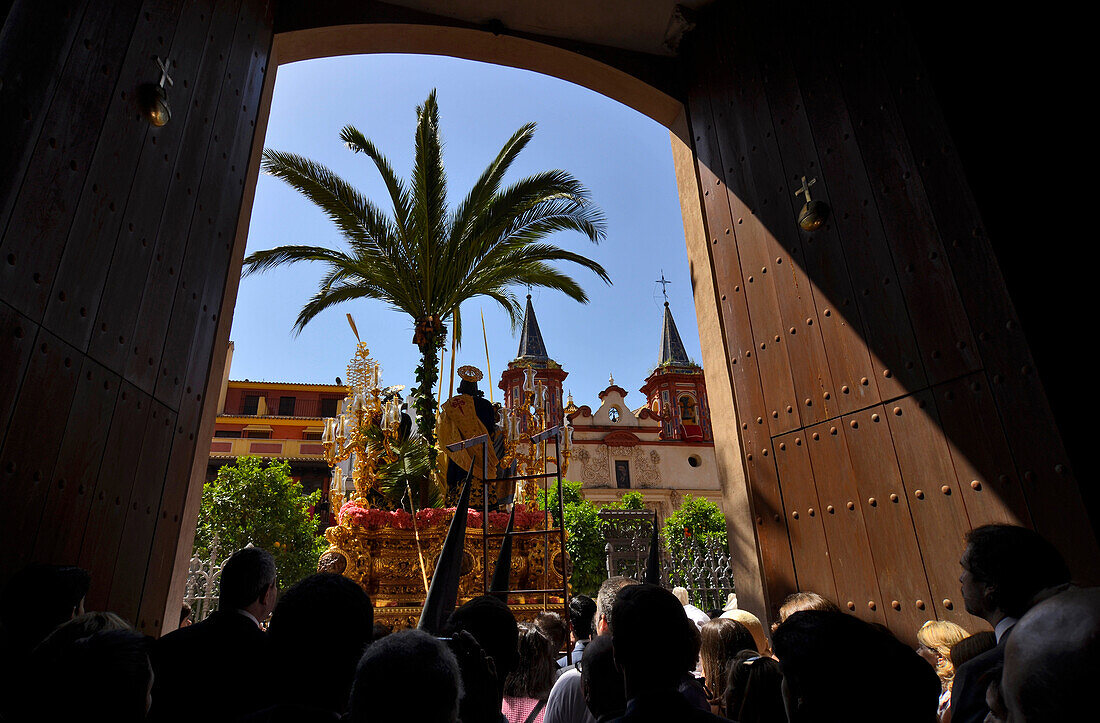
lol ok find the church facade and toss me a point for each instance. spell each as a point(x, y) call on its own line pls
point(663, 448)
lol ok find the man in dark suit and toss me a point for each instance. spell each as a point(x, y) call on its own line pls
point(649, 618)
point(220, 668)
point(1003, 568)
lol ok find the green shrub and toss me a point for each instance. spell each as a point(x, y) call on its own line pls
point(253, 502)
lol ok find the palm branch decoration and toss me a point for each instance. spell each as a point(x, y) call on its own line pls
point(425, 260)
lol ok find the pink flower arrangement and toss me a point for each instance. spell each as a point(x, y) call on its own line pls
point(353, 514)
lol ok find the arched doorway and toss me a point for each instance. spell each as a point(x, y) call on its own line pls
point(885, 398)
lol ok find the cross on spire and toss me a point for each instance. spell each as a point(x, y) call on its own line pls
point(664, 285)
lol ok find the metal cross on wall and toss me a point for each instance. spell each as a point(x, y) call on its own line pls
point(805, 190)
point(164, 76)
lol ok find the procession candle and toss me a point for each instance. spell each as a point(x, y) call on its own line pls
point(330, 425)
point(529, 381)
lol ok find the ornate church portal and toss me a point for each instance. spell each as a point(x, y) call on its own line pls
point(872, 390)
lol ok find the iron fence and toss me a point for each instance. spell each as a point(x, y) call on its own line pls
point(204, 583)
point(700, 566)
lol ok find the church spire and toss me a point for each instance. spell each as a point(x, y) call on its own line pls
point(531, 345)
point(672, 348)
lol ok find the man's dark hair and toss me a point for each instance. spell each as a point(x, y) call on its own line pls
point(754, 689)
point(37, 599)
point(648, 618)
point(608, 594)
point(299, 641)
point(601, 681)
point(895, 683)
point(554, 628)
point(406, 676)
point(106, 676)
point(535, 670)
point(582, 616)
point(1017, 562)
point(493, 626)
point(245, 577)
point(972, 646)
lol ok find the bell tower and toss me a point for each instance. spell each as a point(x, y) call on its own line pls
point(675, 390)
point(532, 354)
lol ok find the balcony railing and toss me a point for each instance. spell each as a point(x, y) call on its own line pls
point(281, 448)
point(282, 407)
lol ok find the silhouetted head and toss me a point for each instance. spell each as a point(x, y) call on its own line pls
point(1004, 567)
point(798, 601)
point(82, 626)
point(106, 676)
point(1051, 659)
point(407, 676)
point(582, 616)
point(299, 642)
point(39, 598)
point(754, 690)
point(494, 628)
point(601, 679)
point(248, 578)
point(649, 618)
point(893, 682)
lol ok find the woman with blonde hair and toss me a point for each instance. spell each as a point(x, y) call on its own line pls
point(936, 638)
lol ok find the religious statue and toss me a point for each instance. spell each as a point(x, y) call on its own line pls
point(464, 416)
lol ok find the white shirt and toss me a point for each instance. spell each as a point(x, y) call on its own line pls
point(1002, 627)
point(251, 617)
point(566, 702)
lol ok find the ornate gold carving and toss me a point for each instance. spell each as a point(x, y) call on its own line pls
point(386, 564)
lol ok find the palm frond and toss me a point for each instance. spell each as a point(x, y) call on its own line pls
point(355, 140)
point(429, 192)
point(357, 217)
point(326, 297)
point(260, 261)
point(486, 187)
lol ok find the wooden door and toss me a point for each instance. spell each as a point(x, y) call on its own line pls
point(886, 396)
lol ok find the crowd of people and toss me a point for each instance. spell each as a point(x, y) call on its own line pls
point(636, 653)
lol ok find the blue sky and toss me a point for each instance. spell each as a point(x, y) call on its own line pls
point(623, 157)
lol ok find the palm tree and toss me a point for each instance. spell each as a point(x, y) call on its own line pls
point(425, 260)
